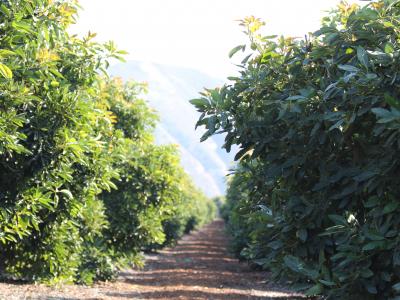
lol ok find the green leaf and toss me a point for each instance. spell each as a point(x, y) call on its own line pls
point(388, 24)
point(243, 153)
point(327, 283)
point(5, 71)
point(371, 288)
point(373, 245)
point(6, 53)
point(380, 112)
point(396, 258)
point(348, 68)
point(315, 290)
point(390, 207)
point(302, 234)
point(396, 287)
point(122, 52)
point(296, 265)
point(236, 49)
point(392, 101)
point(366, 273)
point(275, 245)
point(5, 10)
point(46, 202)
point(11, 238)
point(293, 263)
point(384, 115)
point(339, 220)
point(388, 48)
point(200, 102)
point(337, 125)
point(56, 73)
point(23, 26)
point(364, 176)
point(246, 59)
point(296, 98)
point(362, 56)
point(67, 193)
point(372, 202)
point(261, 261)
point(373, 235)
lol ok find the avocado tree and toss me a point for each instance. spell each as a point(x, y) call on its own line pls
point(314, 198)
point(54, 144)
point(83, 186)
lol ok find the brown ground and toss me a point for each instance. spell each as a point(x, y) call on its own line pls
point(199, 267)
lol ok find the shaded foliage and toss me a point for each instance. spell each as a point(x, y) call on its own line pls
point(315, 195)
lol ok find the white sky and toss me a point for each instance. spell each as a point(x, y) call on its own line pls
point(193, 33)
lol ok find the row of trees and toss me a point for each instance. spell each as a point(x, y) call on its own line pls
point(83, 187)
point(315, 195)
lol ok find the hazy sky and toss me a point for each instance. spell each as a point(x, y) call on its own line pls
point(193, 33)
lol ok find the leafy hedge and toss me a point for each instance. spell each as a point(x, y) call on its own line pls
point(315, 196)
point(82, 187)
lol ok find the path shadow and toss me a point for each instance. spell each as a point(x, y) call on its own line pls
point(191, 294)
point(200, 267)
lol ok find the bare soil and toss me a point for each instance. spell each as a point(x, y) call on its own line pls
point(199, 267)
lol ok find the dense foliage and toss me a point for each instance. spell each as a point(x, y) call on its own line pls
point(315, 196)
point(83, 187)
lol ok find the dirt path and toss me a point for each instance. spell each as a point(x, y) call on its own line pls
point(199, 267)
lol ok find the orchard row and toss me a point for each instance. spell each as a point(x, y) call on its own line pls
point(83, 187)
point(315, 194)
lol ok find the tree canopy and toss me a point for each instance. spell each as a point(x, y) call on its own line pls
point(315, 193)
